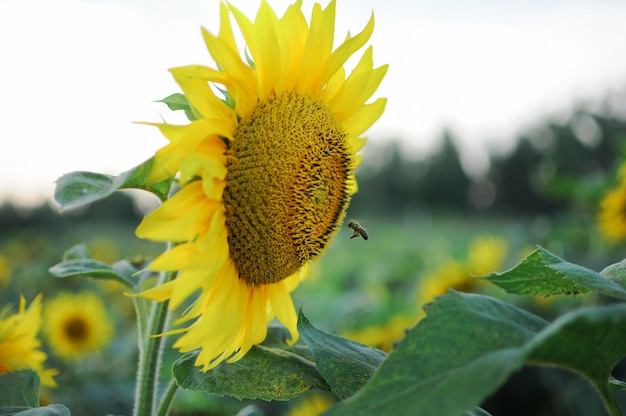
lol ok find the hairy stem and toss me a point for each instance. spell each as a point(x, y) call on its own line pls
point(150, 352)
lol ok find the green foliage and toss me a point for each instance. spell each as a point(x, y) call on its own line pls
point(542, 273)
point(271, 371)
point(78, 262)
point(345, 365)
point(276, 371)
point(468, 346)
point(78, 188)
point(19, 396)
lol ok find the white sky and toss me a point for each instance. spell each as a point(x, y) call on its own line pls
point(75, 74)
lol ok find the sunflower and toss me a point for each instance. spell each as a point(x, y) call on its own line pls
point(266, 171)
point(486, 254)
point(612, 215)
point(383, 336)
point(77, 325)
point(19, 345)
point(311, 404)
point(5, 271)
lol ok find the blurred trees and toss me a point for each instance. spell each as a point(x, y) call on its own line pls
point(550, 166)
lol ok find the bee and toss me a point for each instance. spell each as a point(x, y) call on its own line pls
point(358, 230)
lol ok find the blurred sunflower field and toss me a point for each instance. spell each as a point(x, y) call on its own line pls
point(494, 293)
point(369, 291)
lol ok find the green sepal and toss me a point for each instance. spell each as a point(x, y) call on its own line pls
point(345, 365)
point(78, 188)
point(545, 274)
point(469, 345)
point(177, 102)
point(19, 395)
point(269, 371)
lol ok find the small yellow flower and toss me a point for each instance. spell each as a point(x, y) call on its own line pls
point(104, 249)
point(612, 215)
point(311, 404)
point(5, 271)
point(451, 275)
point(266, 169)
point(19, 345)
point(486, 255)
point(77, 325)
point(383, 336)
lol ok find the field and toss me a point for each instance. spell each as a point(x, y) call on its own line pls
point(370, 291)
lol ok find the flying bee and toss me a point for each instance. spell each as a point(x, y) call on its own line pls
point(358, 230)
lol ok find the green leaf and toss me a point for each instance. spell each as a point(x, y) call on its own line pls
point(50, 410)
point(469, 345)
point(589, 341)
point(78, 251)
point(543, 273)
point(19, 395)
point(19, 388)
point(78, 188)
point(88, 267)
point(345, 365)
point(616, 272)
point(616, 384)
point(178, 101)
point(477, 412)
point(250, 410)
point(265, 372)
point(454, 358)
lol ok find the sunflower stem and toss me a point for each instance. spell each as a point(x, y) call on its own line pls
point(166, 400)
point(150, 352)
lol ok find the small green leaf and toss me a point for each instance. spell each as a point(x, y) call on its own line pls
point(50, 410)
point(19, 396)
point(88, 267)
point(78, 188)
point(477, 412)
point(178, 101)
point(78, 251)
point(19, 388)
point(250, 410)
point(137, 178)
point(265, 372)
point(543, 273)
point(616, 272)
point(345, 365)
point(616, 384)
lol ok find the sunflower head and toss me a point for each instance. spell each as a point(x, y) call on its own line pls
point(266, 170)
point(77, 325)
point(612, 213)
point(19, 345)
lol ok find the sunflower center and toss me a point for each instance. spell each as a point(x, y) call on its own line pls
point(75, 329)
point(286, 189)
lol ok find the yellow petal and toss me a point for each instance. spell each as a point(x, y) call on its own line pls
point(361, 121)
point(181, 217)
point(346, 50)
point(282, 305)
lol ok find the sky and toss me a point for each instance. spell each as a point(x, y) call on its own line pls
point(76, 74)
